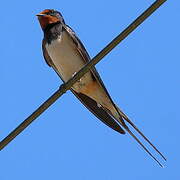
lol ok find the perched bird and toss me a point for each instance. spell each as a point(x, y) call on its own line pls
point(64, 52)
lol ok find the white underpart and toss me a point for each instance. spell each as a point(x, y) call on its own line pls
point(68, 62)
point(67, 59)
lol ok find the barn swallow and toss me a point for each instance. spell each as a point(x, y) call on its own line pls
point(65, 53)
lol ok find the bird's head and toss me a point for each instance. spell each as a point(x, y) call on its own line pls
point(48, 17)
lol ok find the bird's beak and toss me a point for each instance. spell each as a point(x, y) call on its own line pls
point(40, 15)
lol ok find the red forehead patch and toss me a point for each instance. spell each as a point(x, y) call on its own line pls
point(46, 19)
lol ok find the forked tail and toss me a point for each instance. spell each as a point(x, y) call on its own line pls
point(123, 116)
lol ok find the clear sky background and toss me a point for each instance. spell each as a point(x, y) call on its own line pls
point(67, 142)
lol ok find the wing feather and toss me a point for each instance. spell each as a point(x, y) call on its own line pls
point(89, 103)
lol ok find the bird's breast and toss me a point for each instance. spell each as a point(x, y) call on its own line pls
point(67, 60)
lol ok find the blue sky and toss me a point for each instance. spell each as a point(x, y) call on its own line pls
point(68, 142)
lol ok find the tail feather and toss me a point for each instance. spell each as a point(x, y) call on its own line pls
point(129, 131)
point(135, 127)
point(121, 118)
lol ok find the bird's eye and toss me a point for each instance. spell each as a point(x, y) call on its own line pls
point(51, 12)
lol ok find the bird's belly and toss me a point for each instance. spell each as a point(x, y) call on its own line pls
point(67, 60)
